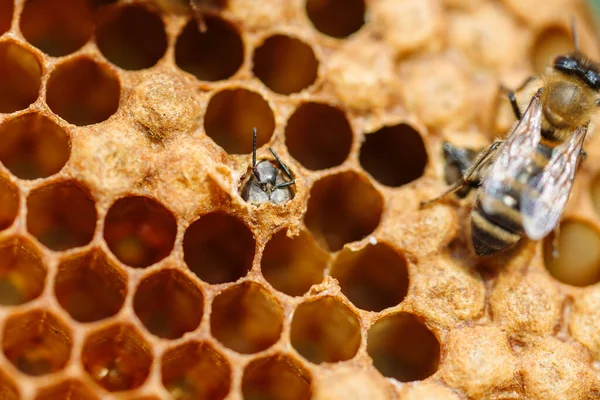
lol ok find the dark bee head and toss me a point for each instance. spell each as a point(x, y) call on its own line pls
point(578, 66)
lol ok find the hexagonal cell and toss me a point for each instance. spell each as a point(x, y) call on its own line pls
point(325, 330)
point(285, 64)
point(232, 114)
point(578, 260)
point(9, 202)
point(219, 248)
point(131, 37)
point(33, 146)
point(373, 278)
point(7, 8)
point(89, 288)
point(8, 389)
point(139, 231)
point(293, 265)
point(117, 358)
point(61, 215)
point(196, 371)
point(278, 377)
point(550, 42)
point(336, 18)
point(37, 342)
point(212, 55)
point(83, 92)
point(22, 273)
point(57, 27)
point(342, 208)
point(68, 389)
point(403, 348)
point(246, 318)
point(20, 77)
point(169, 304)
point(394, 155)
point(318, 135)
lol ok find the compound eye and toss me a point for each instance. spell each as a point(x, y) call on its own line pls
point(266, 172)
point(563, 63)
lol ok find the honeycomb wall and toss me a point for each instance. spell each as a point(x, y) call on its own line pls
point(131, 267)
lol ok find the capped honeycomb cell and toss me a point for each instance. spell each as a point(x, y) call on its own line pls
point(33, 146)
point(61, 215)
point(196, 371)
point(9, 202)
point(403, 348)
point(394, 155)
point(139, 231)
point(20, 77)
point(69, 389)
point(22, 272)
point(37, 342)
point(318, 135)
point(276, 377)
point(549, 43)
point(117, 358)
point(293, 265)
point(57, 27)
point(83, 92)
point(342, 208)
point(219, 248)
point(89, 287)
point(246, 318)
point(336, 18)
point(213, 55)
point(325, 330)
point(232, 114)
point(168, 304)
point(373, 278)
point(131, 37)
point(7, 8)
point(285, 64)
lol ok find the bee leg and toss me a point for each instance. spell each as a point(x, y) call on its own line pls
point(285, 169)
point(511, 96)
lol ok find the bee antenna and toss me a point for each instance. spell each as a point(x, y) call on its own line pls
point(574, 33)
point(253, 149)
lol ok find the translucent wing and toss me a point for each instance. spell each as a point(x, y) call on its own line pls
point(514, 156)
point(545, 199)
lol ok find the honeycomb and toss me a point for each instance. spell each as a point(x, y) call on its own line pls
point(131, 267)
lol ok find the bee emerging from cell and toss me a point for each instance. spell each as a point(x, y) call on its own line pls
point(265, 182)
point(523, 183)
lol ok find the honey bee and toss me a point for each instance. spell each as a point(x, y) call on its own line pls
point(524, 182)
point(264, 181)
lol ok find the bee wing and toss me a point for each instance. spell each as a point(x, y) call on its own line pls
point(513, 156)
point(546, 195)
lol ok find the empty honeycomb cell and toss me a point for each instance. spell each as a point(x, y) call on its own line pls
point(403, 348)
point(213, 55)
point(578, 260)
point(7, 8)
point(277, 377)
point(169, 304)
point(595, 193)
point(69, 389)
point(219, 248)
point(373, 278)
point(232, 114)
point(195, 371)
point(285, 64)
point(36, 342)
point(89, 287)
point(8, 389)
point(20, 77)
point(9, 202)
point(318, 135)
point(342, 208)
point(117, 358)
point(550, 43)
point(293, 265)
point(33, 146)
point(61, 215)
point(22, 273)
point(131, 37)
point(57, 27)
point(325, 330)
point(394, 155)
point(139, 231)
point(336, 18)
point(246, 318)
point(83, 92)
